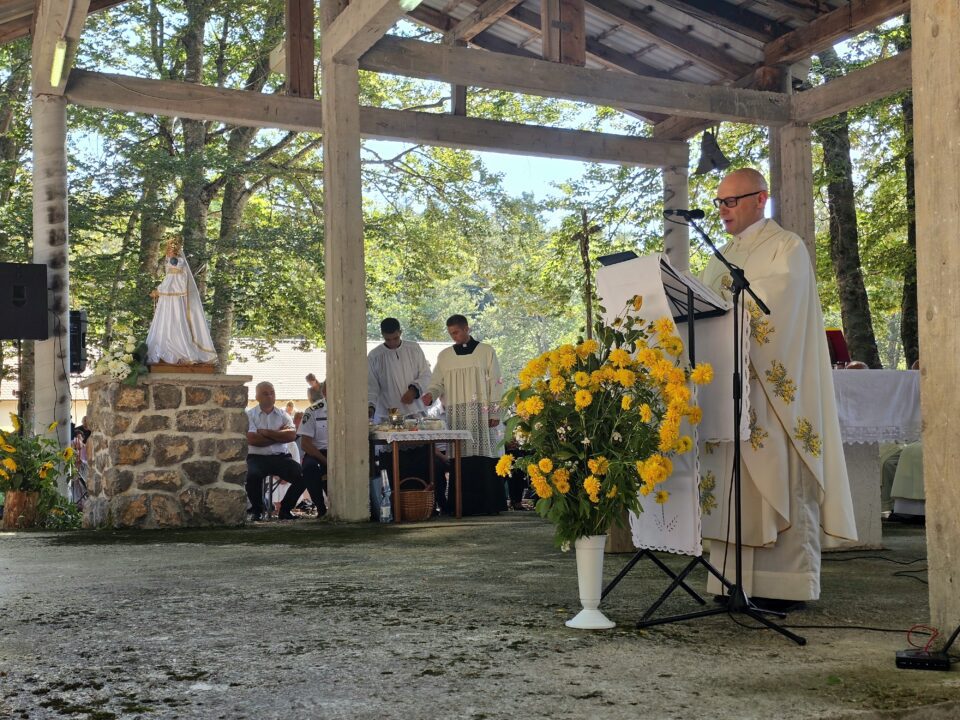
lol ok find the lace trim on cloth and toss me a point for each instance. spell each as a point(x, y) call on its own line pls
point(880, 434)
point(473, 417)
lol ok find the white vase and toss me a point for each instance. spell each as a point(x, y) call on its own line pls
point(590, 579)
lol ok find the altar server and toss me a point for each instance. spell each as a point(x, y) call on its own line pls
point(397, 374)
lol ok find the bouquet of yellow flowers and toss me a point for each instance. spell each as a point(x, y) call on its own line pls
point(29, 462)
point(598, 421)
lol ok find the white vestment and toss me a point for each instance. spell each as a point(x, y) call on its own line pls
point(390, 373)
point(795, 491)
point(179, 334)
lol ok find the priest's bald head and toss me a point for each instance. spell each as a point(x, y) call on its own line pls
point(741, 198)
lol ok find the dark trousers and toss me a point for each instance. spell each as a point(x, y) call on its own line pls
point(315, 478)
point(284, 467)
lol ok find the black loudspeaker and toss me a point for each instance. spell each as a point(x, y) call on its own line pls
point(23, 302)
point(78, 341)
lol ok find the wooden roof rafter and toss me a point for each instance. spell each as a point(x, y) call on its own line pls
point(676, 39)
point(738, 18)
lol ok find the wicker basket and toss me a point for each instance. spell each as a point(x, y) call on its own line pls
point(416, 499)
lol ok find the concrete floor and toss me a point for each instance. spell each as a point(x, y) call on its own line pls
point(451, 619)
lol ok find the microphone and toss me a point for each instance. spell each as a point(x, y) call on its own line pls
point(686, 214)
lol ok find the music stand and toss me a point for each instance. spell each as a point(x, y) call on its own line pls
point(738, 601)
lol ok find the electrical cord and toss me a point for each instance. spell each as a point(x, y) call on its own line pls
point(873, 557)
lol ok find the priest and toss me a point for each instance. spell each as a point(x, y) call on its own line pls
point(795, 491)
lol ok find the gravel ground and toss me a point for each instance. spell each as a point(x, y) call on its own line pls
point(453, 619)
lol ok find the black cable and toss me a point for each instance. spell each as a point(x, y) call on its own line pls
point(836, 627)
point(906, 573)
point(873, 557)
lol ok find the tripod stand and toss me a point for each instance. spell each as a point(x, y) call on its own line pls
point(738, 600)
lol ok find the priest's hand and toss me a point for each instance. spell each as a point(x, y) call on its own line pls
point(427, 399)
point(408, 397)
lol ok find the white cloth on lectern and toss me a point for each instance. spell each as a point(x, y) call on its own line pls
point(674, 526)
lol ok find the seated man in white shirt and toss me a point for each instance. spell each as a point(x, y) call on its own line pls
point(313, 440)
point(269, 430)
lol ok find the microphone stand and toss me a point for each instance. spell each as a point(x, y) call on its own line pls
point(738, 600)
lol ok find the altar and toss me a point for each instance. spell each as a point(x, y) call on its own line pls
point(874, 406)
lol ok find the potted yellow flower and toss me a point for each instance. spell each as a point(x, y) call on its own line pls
point(597, 423)
point(29, 467)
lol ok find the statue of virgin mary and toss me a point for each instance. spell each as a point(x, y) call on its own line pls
point(179, 334)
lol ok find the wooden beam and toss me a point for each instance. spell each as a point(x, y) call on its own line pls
point(431, 61)
point(791, 182)
point(482, 18)
point(519, 139)
point(935, 26)
point(358, 27)
point(57, 21)
point(881, 79)
point(550, 30)
point(250, 109)
point(300, 55)
point(573, 33)
point(827, 30)
point(458, 93)
point(673, 38)
point(684, 128)
point(733, 17)
point(126, 93)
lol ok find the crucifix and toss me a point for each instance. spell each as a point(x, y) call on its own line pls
point(582, 237)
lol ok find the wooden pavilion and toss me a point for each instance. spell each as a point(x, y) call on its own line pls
point(681, 65)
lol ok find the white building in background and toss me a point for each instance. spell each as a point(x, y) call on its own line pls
point(286, 367)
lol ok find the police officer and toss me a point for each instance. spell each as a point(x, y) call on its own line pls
point(313, 439)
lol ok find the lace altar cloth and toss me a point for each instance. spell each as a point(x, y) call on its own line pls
point(878, 405)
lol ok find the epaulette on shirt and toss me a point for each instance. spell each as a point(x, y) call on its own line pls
point(319, 405)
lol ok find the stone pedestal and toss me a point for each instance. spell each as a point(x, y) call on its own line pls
point(168, 452)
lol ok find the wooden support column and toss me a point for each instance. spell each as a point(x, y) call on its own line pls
point(458, 93)
point(299, 48)
point(676, 196)
point(791, 182)
point(936, 96)
point(51, 246)
point(563, 31)
point(348, 470)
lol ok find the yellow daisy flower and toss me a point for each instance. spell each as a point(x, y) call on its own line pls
point(504, 465)
point(582, 399)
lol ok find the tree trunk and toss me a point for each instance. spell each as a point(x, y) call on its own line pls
point(834, 135)
point(235, 198)
point(909, 323)
point(196, 203)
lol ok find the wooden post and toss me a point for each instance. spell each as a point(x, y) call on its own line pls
point(458, 93)
point(676, 196)
point(349, 468)
point(51, 246)
point(936, 34)
point(791, 182)
point(550, 29)
point(563, 31)
point(299, 48)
